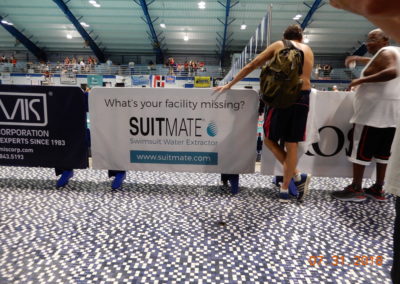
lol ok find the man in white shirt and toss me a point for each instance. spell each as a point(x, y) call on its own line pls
point(376, 112)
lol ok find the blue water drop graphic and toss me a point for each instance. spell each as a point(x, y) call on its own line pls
point(212, 129)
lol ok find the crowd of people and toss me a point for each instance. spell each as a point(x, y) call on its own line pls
point(12, 60)
point(80, 64)
point(323, 71)
point(188, 68)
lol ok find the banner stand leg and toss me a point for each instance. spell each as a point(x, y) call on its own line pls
point(118, 180)
point(233, 180)
point(65, 176)
point(277, 180)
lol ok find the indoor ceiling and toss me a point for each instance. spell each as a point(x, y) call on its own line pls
point(118, 26)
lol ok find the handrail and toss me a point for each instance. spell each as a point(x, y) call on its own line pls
point(104, 69)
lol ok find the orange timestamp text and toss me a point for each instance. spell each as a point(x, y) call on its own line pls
point(336, 260)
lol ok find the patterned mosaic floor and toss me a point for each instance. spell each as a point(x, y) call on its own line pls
point(164, 228)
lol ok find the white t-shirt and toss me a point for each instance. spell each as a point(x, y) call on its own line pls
point(378, 104)
point(392, 181)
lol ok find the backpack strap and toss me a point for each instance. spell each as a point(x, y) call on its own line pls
point(288, 43)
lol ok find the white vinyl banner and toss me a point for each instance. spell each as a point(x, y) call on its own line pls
point(173, 130)
point(330, 112)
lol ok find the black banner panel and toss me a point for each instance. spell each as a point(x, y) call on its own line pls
point(43, 126)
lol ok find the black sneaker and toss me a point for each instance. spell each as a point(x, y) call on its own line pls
point(350, 193)
point(375, 192)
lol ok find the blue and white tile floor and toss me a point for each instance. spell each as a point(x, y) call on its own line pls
point(167, 228)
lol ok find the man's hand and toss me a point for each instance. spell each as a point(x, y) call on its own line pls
point(223, 88)
point(349, 60)
point(355, 83)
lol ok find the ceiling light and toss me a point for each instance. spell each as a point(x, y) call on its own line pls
point(92, 2)
point(85, 25)
point(163, 25)
point(306, 40)
point(297, 17)
point(4, 22)
point(243, 26)
point(201, 5)
point(69, 36)
point(185, 38)
point(97, 5)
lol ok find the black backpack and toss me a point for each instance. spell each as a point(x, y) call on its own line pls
point(280, 82)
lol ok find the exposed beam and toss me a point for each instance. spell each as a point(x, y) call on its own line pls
point(33, 48)
point(315, 6)
point(92, 44)
point(156, 42)
point(226, 23)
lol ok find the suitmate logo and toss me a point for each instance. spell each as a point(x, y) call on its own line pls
point(27, 109)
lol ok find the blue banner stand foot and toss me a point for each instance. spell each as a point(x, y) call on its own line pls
point(64, 179)
point(118, 180)
point(233, 180)
point(277, 180)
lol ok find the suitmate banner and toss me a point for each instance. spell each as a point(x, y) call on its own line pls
point(173, 130)
point(43, 126)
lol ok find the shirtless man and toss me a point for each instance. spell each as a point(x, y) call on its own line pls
point(289, 124)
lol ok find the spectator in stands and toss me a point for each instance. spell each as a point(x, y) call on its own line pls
point(13, 61)
point(67, 61)
point(326, 71)
point(202, 66)
point(131, 66)
point(376, 112)
point(82, 64)
point(151, 66)
point(74, 62)
point(180, 69)
point(186, 67)
point(171, 66)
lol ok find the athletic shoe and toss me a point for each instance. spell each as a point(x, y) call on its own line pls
point(278, 180)
point(293, 189)
point(375, 192)
point(302, 186)
point(350, 193)
point(283, 195)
